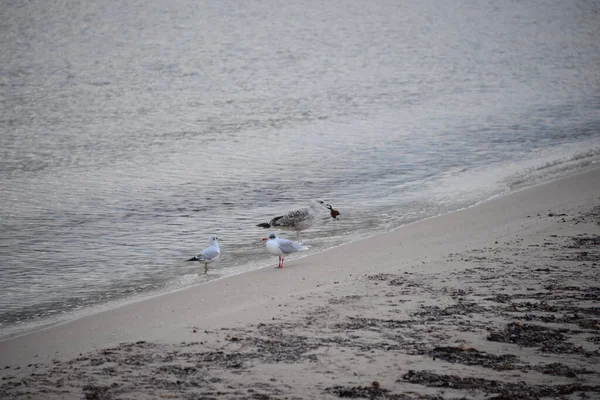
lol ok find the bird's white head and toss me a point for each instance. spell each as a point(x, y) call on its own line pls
point(271, 236)
point(213, 239)
point(315, 203)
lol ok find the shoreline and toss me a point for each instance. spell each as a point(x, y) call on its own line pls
point(33, 326)
point(416, 281)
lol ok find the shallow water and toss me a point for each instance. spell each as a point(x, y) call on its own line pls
point(131, 130)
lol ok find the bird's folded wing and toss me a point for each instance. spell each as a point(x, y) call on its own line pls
point(208, 254)
point(287, 246)
point(292, 217)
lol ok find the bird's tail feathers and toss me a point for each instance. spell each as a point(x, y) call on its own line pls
point(193, 259)
point(275, 221)
point(264, 225)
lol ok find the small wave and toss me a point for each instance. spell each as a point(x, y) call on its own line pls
point(554, 168)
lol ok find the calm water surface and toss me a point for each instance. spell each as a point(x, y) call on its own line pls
point(131, 130)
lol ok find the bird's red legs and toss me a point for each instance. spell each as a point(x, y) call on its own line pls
point(280, 265)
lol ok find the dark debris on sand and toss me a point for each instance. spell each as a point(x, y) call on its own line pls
point(289, 350)
point(592, 215)
point(381, 277)
point(528, 335)
point(460, 308)
point(357, 323)
point(504, 362)
point(470, 356)
point(355, 392)
point(375, 392)
point(516, 390)
point(558, 369)
point(549, 340)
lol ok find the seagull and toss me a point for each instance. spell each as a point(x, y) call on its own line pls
point(282, 247)
point(296, 220)
point(209, 254)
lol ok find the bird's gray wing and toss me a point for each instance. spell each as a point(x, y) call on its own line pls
point(288, 247)
point(208, 254)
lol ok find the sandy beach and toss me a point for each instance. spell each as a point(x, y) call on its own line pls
point(500, 300)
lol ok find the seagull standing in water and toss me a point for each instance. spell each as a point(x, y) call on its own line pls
point(282, 247)
point(209, 254)
point(297, 220)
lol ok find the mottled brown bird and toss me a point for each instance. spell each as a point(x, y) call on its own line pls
point(297, 220)
point(334, 213)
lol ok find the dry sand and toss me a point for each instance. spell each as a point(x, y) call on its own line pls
point(496, 301)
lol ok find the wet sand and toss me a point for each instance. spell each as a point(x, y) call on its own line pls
point(496, 301)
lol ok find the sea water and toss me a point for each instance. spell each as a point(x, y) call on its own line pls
point(131, 130)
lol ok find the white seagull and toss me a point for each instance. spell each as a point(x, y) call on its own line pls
point(297, 220)
point(209, 254)
point(282, 247)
